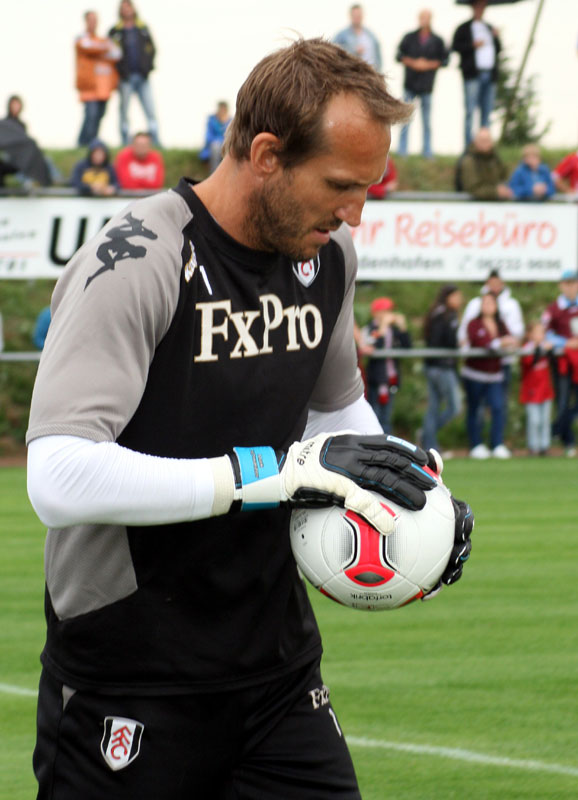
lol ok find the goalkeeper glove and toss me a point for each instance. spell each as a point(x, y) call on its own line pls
point(461, 549)
point(334, 469)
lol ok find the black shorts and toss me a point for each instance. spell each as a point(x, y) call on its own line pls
point(277, 741)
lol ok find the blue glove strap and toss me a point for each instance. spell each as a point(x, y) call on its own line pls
point(256, 464)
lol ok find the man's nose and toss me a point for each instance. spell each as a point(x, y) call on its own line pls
point(351, 211)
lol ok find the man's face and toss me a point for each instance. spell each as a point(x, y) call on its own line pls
point(127, 11)
point(483, 141)
point(569, 289)
point(479, 7)
point(356, 17)
point(495, 286)
point(296, 209)
point(141, 147)
point(91, 22)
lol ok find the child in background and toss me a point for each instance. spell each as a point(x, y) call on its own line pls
point(387, 329)
point(536, 390)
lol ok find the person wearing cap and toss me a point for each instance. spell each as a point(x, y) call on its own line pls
point(444, 395)
point(387, 329)
point(561, 322)
point(510, 313)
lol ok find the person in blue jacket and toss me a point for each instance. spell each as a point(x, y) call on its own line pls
point(217, 125)
point(532, 179)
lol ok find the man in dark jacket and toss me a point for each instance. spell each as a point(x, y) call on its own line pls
point(137, 60)
point(422, 53)
point(481, 170)
point(478, 45)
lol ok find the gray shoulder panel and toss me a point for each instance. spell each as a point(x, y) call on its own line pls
point(339, 382)
point(111, 307)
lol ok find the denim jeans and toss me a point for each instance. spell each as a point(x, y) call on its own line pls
point(137, 84)
point(566, 409)
point(383, 411)
point(425, 102)
point(478, 395)
point(538, 426)
point(479, 93)
point(444, 402)
point(93, 114)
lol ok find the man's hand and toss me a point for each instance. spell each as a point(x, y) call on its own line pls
point(339, 469)
point(461, 549)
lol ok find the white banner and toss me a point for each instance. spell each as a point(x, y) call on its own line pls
point(441, 241)
point(38, 235)
point(397, 240)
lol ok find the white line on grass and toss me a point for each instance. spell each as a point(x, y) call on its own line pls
point(464, 755)
point(8, 689)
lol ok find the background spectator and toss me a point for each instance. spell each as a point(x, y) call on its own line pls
point(387, 329)
point(482, 173)
point(565, 175)
point(561, 322)
point(138, 166)
point(134, 66)
point(510, 312)
point(422, 53)
point(483, 378)
point(358, 40)
point(14, 110)
point(387, 184)
point(41, 328)
point(532, 180)
point(94, 175)
point(536, 391)
point(444, 392)
point(217, 125)
point(20, 155)
point(96, 76)
point(478, 45)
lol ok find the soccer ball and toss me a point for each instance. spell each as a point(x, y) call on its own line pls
point(350, 562)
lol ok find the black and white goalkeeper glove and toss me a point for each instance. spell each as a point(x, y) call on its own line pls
point(461, 549)
point(329, 469)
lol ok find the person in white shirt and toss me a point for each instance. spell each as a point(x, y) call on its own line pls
point(510, 313)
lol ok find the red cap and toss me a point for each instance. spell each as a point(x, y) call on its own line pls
point(381, 304)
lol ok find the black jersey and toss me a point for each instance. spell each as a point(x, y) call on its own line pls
point(173, 339)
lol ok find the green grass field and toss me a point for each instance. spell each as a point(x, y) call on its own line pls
point(473, 695)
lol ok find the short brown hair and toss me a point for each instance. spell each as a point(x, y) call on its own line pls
point(287, 92)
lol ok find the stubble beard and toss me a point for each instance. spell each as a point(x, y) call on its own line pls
point(275, 222)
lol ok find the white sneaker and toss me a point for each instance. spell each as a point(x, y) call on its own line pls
point(480, 451)
point(501, 451)
point(571, 452)
point(447, 455)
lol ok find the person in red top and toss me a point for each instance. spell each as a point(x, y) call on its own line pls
point(388, 183)
point(561, 322)
point(536, 390)
point(566, 174)
point(139, 166)
point(483, 377)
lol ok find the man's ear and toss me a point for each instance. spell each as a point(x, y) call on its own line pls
point(265, 149)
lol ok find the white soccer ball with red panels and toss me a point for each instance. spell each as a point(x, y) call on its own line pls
point(350, 562)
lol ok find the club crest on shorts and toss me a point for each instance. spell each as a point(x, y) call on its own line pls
point(307, 271)
point(121, 741)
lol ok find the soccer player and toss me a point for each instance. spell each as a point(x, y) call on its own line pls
point(192, 341)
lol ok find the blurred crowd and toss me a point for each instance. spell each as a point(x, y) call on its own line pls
point(470, 364)
point(120, 63)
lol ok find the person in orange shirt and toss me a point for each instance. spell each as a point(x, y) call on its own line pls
point(139, 166)
point(96, 76)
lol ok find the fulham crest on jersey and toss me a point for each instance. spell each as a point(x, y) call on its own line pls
point(306, 271)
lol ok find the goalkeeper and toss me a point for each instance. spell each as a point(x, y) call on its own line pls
point(201, 346)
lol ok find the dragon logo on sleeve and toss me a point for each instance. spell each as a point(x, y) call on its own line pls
point(119, 247)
